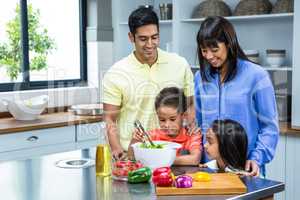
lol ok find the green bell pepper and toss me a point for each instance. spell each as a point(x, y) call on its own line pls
point(140, 175)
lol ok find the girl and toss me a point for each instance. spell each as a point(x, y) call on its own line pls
point(226, 144)
point(170, 106)
point(228, 85)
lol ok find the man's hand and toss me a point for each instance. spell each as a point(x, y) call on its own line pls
point(119, 154)
point(252, 167)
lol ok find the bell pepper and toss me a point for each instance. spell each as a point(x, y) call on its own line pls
point(163, 177)
point(140, 175)
point(184, 181)
point(201, 177)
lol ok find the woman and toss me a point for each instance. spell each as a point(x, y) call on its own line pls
point(230, 86)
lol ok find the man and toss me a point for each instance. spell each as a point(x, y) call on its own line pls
point(131, 85)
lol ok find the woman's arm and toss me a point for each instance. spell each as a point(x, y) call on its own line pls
point(267, 138)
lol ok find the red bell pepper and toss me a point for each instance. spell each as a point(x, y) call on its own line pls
point(162, 177)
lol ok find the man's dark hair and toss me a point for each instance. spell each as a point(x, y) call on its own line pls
point(172, 97)
point(141, 17)
point(233, 142)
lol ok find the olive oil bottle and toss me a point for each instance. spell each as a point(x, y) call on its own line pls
point(103, 160)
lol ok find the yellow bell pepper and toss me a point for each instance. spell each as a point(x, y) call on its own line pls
point(201, 177)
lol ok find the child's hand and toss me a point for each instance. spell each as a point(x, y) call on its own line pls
point(138, 136)
point(202, 165)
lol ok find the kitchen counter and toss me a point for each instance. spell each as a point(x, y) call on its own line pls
point(59, 119)
point(39, 179)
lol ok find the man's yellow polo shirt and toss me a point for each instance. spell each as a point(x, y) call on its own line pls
point(133, 86)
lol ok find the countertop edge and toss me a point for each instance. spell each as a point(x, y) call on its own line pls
point(262, 193)
point(54, 120)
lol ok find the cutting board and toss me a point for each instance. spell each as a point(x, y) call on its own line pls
point(221, 183)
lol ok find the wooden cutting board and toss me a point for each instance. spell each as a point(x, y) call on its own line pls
point(221, 183)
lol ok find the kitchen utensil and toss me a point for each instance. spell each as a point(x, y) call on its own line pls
point(87, 109)
point(275, 57)
point(220, 183)
point(139, 126)
point(28, 109)
point(284, 104)
point(149, 156)
point(165, 10)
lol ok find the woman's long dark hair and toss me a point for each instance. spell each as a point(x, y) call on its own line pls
point(214, 30)
point(233, 142)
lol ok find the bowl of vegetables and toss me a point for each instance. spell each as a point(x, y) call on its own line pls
point(162, 154)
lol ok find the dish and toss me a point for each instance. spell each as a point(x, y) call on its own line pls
point(87, 109)
point(148, 156)
point(28, 109)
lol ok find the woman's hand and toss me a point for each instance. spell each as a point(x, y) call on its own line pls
point(193, 129)
point(252, 167)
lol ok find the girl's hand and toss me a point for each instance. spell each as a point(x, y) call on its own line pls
point(202, 165)
point(252, 167)
point(137, 136)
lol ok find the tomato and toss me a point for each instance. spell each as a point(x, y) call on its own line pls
point(138, 165)
point(120, 164)
point(120, 172)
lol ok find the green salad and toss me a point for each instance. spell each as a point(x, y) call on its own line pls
point(149, 146)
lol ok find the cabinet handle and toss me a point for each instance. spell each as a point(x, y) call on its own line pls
point(32, 139)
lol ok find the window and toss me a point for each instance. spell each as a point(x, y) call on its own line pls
point(42, 44)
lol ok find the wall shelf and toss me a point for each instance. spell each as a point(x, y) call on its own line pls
point(283, 68)
point(160, 22)
point(247, 17)
point(268, 68)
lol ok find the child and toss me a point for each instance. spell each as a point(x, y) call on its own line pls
point(170, 106)
point(227, 147)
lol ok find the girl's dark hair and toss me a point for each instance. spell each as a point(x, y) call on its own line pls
point(141, 17)
point(233, 142)
point(212, 31)
point(173, 97)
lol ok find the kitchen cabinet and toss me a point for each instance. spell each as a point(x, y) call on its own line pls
point(27, 144)
point(89, 135)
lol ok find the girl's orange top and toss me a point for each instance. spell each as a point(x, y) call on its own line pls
point(188, 142)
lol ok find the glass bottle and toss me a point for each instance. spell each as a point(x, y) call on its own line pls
point(103, 155)
point(103, 160)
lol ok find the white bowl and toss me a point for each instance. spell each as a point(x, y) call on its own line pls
point(155, 158)
point(275, 61)
point(28, 109)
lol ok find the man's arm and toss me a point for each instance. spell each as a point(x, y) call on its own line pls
point(111, 113)
point(190, 112)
